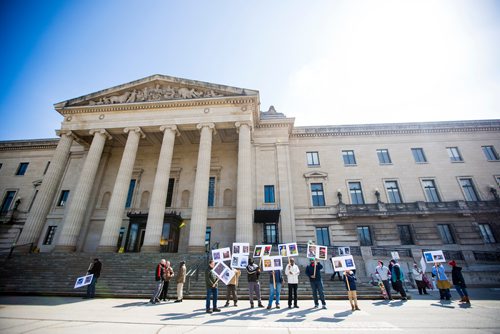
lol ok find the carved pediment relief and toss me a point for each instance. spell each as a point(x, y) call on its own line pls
point(316, 175)
point(156, 88)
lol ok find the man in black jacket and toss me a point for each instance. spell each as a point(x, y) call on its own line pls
point(94, 269)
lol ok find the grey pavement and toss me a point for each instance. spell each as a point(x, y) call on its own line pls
point(422, 314)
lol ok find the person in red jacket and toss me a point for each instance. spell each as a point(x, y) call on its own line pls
point(159, 277)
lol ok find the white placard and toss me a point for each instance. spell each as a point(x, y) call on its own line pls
point(83, 281)
point(292, 249)
point(434, 256)
point(423, 264)
point(317, 252)
point(221, 254)
point(395, 255)
point(270, 263)
point(343, 263)
point(341, 251)
point(282, 250)
point(223, 272)
point(242, 248)
point(262, 250)
point(239, 261)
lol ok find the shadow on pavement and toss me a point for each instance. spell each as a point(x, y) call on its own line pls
point(40, 300)
point(325, 319)
point(133, 304)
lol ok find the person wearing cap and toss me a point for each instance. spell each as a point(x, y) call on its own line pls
point(350, 285)
point(181, 279)
point(253, 272)
point(458, 282)
point(316, 282)
point(94, 269)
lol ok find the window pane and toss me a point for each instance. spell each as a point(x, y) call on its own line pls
point(445, 232)
point(49, 236)
point(431, 193)
point(322, 236)
point(469, 190)
point(364, 236)
point(130, 194)
point(383, 156)
point(211, 191)
point(21, 170)
point(312, 158)
point(270, 234)
point(487, 234)
point(393, 192)
point(349, 158)
point(405, 235)
point(170, 192)
point(490, 153)
point(418, 154)
point(318, 198)
point(356, 193)
point(454, 154)
point(7, 201)
point(63, 198)
point(269, 194)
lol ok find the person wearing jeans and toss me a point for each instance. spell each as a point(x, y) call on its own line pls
point(459, 282)
point(211, 282)
point(274, 288)
point(316, 282)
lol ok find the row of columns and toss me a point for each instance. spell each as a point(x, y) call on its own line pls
point(74, 217)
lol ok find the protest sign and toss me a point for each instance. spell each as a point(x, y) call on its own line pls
point(262, 250)
point(241, 248)
point(239, 261)
point(223, 272)
point(434, 256)
point(83, 281)
point(221, 254)
point(317, 252)
point(270, 263)
point(343, 263)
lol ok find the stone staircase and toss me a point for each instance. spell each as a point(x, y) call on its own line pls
point(131, 275)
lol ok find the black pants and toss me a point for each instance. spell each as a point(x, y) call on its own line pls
point(164, 291)
point(333, 276)
point(398, 286)
point(292, 289)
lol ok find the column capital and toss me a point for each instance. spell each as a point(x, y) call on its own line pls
point(211, 126)
point(67, 133)
point(135, 129)
point(101, 131)
point(239, 124)
point(171, 128)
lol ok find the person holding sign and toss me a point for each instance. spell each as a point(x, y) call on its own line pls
point(211, 282)
point(275, 281)
point(350, 285)
point(231, 288)
point(442, 281)
point(292, 272)
point(94, 269)
point(313, 271)
point(253, 272)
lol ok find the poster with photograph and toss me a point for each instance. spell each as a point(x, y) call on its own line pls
point(83, 281)
point(282, 250)
point(239, 261)
point(221, 254)
point(241, 248)
point(292, 249)
point(434, 256)
point(226, 276)
point(341, 251)
point(223, 272)
point(262, 250)
point(343, 263)
point(317, 252)
point(270, 263)
point(395, 255)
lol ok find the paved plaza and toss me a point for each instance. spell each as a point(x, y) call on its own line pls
point(422, 314)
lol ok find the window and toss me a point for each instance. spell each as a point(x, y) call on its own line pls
point(170, 192)
point(130, 194)
point(63, 198)
point(322, 236)
point(318, 197)
point(405, 235)
point(270, 233)
point(269, 194)
point(208, 234)
point(211, 191)
point(470, 192)
point(7, 201)
point(312, 159)
point(46, 167)
point(349, 158)
point(383, 156)
point(445, 232)
point(356, 193)
point(365, 238)
point(21, 170)
point(487, 234)
point(49, 236)
point(490, 153)
point(418, 155)
point(431, 193)
point(393, 192)
point(454, 154)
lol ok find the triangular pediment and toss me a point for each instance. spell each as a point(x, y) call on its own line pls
point(156, 88)
point(316, 174)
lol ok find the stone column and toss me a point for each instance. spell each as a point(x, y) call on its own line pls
point(41, 207)
point(198, 224)
point(156, 214)
point(244, 227)
point(111, 229)
point(78, 204)
point(287, 216)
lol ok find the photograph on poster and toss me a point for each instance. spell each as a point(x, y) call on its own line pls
point(268, 264)
point(226, 276)
point(322, 252)
point(236, 249)
point(272, 263)
point(239, 261)
point(241, 248)
point(311, 251)
point(219, 268)
point(282, 250)
point(246, 249)
point(434, 256)
point(243, 263)
point(215, 256)
point(267, 250)
point(235, 261)
point(226, 254)
point(395, 255)
point(79, 282)
point(293, 250)
point(428, 257)
point(342, 263)
point(88, 279)
point(277, 263)
point(257, 251)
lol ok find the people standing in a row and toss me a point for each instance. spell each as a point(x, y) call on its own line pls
point(397, 278)
point(159, 277)
point(169, 273)
point(253, 272)
point(459, 282)
point(418, 275)
point(292, 272)
point(350, 285)
point(442, 281)
point(211, 282)
point(384, 274)
point(231, 288)
point(181, 279)
point(313, 271)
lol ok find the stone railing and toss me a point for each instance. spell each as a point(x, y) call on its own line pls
point(487, 256)
point(386, 251)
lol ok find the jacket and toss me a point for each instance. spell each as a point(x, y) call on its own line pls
point(383, 272)
point(441, 275)
point(310, 271)
point(292, 274)
point(169, 273)
point(397, 273)
point(417, 274)
point(236, 278)
point(95, 269)
point(181, 277)
point(352, 282)
point(253, 272)
point(160, 272)
point(457, 277)
point(211, 279)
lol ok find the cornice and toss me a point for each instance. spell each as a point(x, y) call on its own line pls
point(232, 100)
point(397, 128)
point(34, 144)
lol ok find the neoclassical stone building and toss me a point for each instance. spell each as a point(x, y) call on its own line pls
point(169, 164)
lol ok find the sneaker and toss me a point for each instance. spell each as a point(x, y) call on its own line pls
point(357, 308)
point(260, 305)
point(277, 306)
point(178, 301)
point(216, 309)
point(209, 311)
point(316, 306)
point(251, 306)
point(235, 304)
point(324, 307)
point(296, 306)
point(227, 304)
point(269, 307)
point(289, 306)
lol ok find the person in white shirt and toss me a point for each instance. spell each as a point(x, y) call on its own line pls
point(383, 274)
point(292, 274)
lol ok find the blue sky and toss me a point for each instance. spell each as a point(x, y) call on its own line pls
point(322, 62)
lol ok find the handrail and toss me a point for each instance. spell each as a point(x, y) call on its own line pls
point(13, 247)
point(194, 273)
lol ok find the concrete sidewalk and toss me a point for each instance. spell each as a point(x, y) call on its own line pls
point(23, 314)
